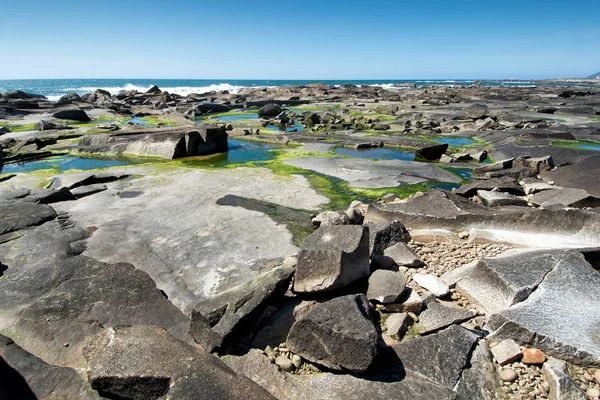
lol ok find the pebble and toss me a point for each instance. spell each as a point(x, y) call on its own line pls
point(533, 356)
point(284, 363)
point(597, 375)
point(508, 375)
point(593, 393)
point(297, 361)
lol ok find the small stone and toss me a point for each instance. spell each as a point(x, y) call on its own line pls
point(388, 340)
point(588, 377)
point(533, 356)
point(597, 375)
point(297, 361)
point(427, 250)
point(508, 375)
point(463, 235)
point(593, 393)
point(397, 324)
point(290, 261)
point(432, 283)
point(284, 363)
point(506, 352)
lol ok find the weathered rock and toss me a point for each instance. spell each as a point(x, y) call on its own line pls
point(403, 256)
point(561, 384)
point(567, 292)
point(47, 126)
point(497, 166)
point(437, 317)
point(145, 362)
point(431, 153)
point(20, 215)
point(506, 352)
point(331, 218)
point(75, 114)
point(269, 110)
point(397, 323)
point(49, 196)
point(479, 156)
point(477, 111)
point(582, 175)
point(432, 283)
point(479, 379)
point(410, 301)
point(504, 184)
point(578, 198)
point(332, 257)
point(386, 234)
point(532, 186)
point(386, 286)
point(355, 214)
point(284, 363)
point(24, 376)
point(539, 164)
point(338, 334)
point(515, 173)
point(218, 320)
point(83, 191)
point(440, 357)
point(499, 199)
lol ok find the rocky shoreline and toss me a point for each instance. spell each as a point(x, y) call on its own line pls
point(436, 242)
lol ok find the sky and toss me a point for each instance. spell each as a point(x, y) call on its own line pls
point(303, 39)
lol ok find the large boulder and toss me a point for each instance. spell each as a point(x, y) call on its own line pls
point(338, 334)
point(385, 234)
point(270, 110)
point(431, 153)
point(74, 114)
point(332, 257)
point(145, 362)
point(215, 321)
point(477, 111)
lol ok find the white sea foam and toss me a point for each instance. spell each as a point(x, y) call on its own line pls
point(180, 90)
point(54, 97)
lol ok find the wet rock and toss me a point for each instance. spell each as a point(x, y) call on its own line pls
point(386, 234)
point(561, 384)
point(499, 199)
point(437, 317)
point(331, 218)
point(145, 362)
point(217, 321)
point(338, 334)
point(432, 283)
point(440, 357)
point(269, 110)
point(506, 352)
point(386, 286)
point(75, 114)
point(431, 153)
point(403, 256)
point(332, 257)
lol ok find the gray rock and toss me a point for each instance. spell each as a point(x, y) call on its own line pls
point(145, 362)
point(75, 114)
point(24, 376)
point(20, 215)
point(515, 173)
point(410, 301)
point(539, 164)
point(386, 286)
point(477, 111)
point(332, 257)
point(479, 379)
point(397, 324)
point(386, 234)
point(506, 352)
point(83, 191)
point(440, 357)
point(269, 110)
point(583, 174)
point(504, 184)
point(338, 334)
point(566, 293)
point(403, 256)
point(355, 214)
point(437, 317)
point(284, 363)
point(532, 185)
point(562, 387)
point(578, 198)
point(497, 166)
point(217, 321)
point(479, 156)
point(331, 218)
point(499, 199)
point(47, 126)
point(431, 153)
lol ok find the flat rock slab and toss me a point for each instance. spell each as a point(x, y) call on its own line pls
point(332, 257)
point(578, 198)
point(438, 316)
point(432, 283)
point(508, 185)
point(145, 362)
point(498, 199)
point(21, 214)
point(584, 174)
point(362, 173)
point(560, 317)
point(439, 357)
point(217, 320)
point(506, 352)
point(338, 334)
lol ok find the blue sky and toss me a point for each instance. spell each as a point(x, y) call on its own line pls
point(304, 39)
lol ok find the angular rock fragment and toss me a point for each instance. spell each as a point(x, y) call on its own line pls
point(479, 380)
point(338, 334)
point(506, 352)
point(386, 286)
point(21, 214)
point(431, 153)
point(386, 234)
point(432, 283)
point(437, 317)
point(561, 384)
point(403, 256)
point(332, 257)
point(331, 218)
point(499, 199)
point(397, 324)
point(75, 114)
point(578, 198)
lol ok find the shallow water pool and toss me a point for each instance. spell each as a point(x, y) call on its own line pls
point(64, 163)
point(455, 141)
point(240, 151)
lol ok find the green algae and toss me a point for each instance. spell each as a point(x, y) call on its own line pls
point(17, 127)
point(158, 120)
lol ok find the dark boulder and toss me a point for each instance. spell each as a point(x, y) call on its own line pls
point(431, 153)
point(68, 99)
point(74, 114)
point(154, 90)
point(270, 110)
point(477, 111)
point(21, 95)
point(338, 334)
point(332, 257)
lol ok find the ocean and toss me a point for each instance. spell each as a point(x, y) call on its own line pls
point(53, 89)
